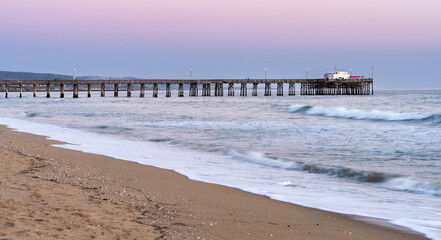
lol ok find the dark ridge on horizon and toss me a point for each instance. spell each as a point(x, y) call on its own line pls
point(8, 75)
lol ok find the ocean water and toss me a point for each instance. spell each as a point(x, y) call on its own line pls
point(376, 156)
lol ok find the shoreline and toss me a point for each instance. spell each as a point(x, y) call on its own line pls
point(170, 205)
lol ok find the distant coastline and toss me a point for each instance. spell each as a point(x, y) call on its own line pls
point(10, 75)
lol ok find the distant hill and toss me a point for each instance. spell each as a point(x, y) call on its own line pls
point(6, 75)
point(104, 77)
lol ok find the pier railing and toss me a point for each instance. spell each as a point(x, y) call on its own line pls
point(358, 86)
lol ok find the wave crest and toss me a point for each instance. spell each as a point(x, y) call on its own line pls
point(31, 114)
point(358, 114)
point(413, 185)
point(389, 181)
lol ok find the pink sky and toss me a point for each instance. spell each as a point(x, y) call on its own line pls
point(228, 23)
point(224, 38)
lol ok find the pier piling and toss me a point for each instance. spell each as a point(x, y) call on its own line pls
point(142, 90)
point(342, 87)
point(219, 89)
point(243, 89)
point(61, 90)
point(48, 90)
point(34, 90)
point(255, 89)
point(279, 89)
point(167, 90)
point(292, 89)
point(115, 90)
point(267, 89)
point(206, 89)
point(103, 90)
point(181, 90)
point(21, 90)
point(155, 90)
point(231, 89)
point(129, 90)
point(6, 90)
point(89, 90)
point(75, 91)
point(193, 90)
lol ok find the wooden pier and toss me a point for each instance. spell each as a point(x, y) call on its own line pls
point(357, 86)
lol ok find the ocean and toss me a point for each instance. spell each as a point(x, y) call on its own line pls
point(376, 156)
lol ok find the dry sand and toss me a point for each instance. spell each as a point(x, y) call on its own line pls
point(52, 193)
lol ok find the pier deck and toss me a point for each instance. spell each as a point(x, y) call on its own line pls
point(357, 86)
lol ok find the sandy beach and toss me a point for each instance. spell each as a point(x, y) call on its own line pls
point(52, 193)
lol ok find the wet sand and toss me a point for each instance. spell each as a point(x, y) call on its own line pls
point(53, 193)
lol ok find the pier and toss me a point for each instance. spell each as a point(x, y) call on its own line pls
point(353, 86)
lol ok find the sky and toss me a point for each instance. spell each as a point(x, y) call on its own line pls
point(401, 39)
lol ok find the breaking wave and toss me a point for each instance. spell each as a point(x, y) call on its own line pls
point(30, 114)
point(413, 185)
point(389, 181)
point(378, 115)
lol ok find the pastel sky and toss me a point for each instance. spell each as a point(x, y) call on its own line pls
point(225, 38)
